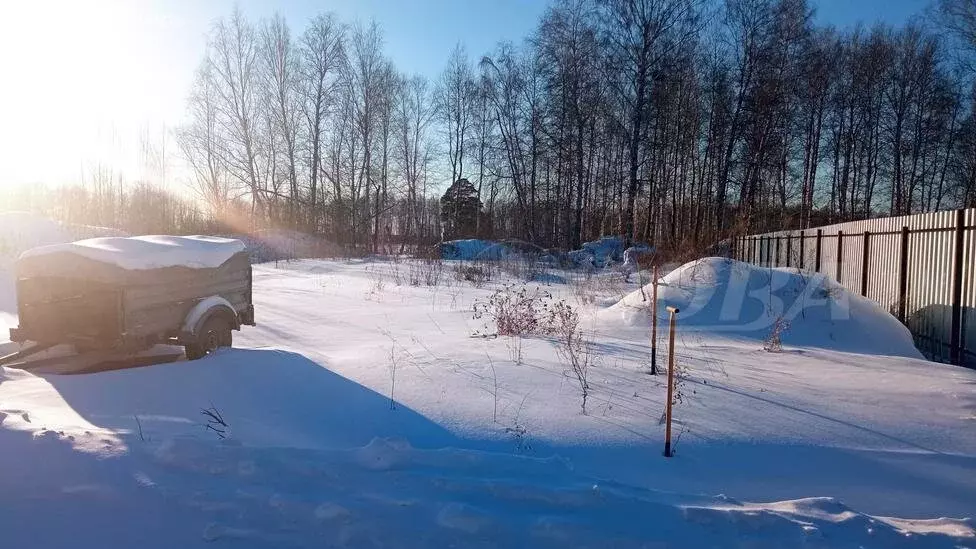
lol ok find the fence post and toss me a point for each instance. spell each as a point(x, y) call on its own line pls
point(903, 276)
point(865, 258)
point(789, 242)
point(667, 409)
point(776, 257)
point(840, 253)
point(955, 338)
point(803, 238)
point(816, 261)
point(654, 324)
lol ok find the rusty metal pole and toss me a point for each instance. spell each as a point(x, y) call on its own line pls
point(654, 324)
point(667, 433)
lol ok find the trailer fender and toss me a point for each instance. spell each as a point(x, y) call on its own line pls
point(208, 307)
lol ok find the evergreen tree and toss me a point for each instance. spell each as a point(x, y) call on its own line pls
point(460, 208)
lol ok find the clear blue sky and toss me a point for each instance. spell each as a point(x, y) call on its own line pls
point(846, 13)
point(420, 34)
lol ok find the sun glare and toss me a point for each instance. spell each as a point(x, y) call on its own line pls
point(88, 79)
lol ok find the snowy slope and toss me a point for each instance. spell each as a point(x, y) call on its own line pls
point(812, 446)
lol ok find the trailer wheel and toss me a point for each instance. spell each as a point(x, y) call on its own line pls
point(215, 333)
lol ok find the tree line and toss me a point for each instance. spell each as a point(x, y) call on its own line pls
point(675, 122)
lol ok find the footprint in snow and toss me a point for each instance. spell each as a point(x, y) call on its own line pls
point(214, 531)
point(459, 516)
point(331, 511)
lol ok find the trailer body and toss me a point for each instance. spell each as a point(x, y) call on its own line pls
point(67, 298)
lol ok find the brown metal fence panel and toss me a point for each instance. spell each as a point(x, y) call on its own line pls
point(969, 290)
point(929, 258)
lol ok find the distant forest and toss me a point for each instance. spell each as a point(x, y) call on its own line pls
point(674, 122)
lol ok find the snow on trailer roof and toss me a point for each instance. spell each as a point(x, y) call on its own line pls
point(148, 252)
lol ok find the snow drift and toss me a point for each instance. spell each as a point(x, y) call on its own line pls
point(743, 300)
point(474, 249)
point(599, 253)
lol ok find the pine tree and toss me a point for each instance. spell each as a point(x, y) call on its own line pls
point(460, 208)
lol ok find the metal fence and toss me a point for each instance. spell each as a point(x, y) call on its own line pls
point(921, 268)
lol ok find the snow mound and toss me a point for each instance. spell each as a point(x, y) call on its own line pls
point(148, 252)
point(474, 249)
point(738, 299)
point(814, 521)
point(606, 250)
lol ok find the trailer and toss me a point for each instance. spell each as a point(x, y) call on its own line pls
point(125, 295)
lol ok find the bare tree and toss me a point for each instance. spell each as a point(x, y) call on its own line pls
point(233, 63)
point(626, 116)
point(201, 144)
point(638, 34)
point(322, 63)
point(414, 113)
point(278, 72)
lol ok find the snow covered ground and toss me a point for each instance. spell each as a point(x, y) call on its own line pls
point(362, 413)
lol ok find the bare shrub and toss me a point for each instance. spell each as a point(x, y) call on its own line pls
point(518, 431)
point(831, 292)
point(514, 344)
point(215, 421)
point(774, 342)
point(376, 287)
point(516, 311)
point(426, 272)
point(522, 266)
point(394, 361)
point(395, 271)
point(562, 322)
point(513, 309)
point(494, 389)
point(142, 436)
point(583, 289)
point(476, 273)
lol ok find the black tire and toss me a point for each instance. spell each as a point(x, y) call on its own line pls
point(214, 334)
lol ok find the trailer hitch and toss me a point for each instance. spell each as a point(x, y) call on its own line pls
point(25, 353)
